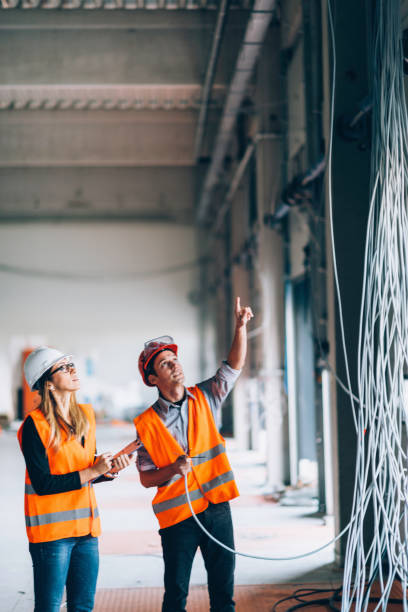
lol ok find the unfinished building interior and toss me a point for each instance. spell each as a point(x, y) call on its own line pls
point(159, 158)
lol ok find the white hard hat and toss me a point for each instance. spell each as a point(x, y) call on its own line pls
point(39, 361)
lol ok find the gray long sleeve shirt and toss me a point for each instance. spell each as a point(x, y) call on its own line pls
point(175, 417)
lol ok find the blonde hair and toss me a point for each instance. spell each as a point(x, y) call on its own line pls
point(78, 426)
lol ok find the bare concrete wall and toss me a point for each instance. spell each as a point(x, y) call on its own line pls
point(96, 288)
point(96, 138)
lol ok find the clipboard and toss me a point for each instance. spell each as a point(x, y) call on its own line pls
point(129, 449)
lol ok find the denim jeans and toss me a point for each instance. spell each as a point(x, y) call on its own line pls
point(70, 562)
point(180, 543)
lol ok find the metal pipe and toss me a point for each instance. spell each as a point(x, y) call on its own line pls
point(366, 107)
point(210, 74)
point(313, 173)
point(293, 191)
point(255, 33)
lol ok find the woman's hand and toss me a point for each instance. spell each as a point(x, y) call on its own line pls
point(102, 464)
point(121, 462)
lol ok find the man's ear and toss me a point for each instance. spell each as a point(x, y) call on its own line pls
point(152, 379)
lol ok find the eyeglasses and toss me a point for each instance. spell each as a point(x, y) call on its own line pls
point(65, 367)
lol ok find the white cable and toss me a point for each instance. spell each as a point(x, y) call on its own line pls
point(241, 554)
point(381, 484)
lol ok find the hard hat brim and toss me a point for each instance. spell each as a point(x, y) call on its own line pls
point(44, 370)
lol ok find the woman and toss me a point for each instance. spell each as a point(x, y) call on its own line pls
point(62, 519)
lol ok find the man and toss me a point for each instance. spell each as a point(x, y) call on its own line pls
point(179, 436)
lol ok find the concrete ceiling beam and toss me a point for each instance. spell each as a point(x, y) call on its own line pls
point(88, 58)
point(97, 138)
point(192, 5)
point(97, 193)
point(83, 19)
point(116, 57)
point(118, 97)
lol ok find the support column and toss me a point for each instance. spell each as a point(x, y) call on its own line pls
point(351, 172)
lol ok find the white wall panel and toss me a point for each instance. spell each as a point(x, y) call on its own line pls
point(106, 320)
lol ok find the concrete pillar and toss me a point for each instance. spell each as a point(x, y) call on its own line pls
point(271, 357)
point(351, 170)
point(269, 271)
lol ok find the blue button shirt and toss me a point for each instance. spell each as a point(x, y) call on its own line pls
point(175, 417)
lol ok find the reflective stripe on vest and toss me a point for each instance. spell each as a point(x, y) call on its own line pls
point(58, 517)
point(209, 480)
point(176, 501)
point(217, 481)
point(207, 455)
point(182, 499)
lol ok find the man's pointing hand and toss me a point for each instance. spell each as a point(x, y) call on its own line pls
point(242, 315)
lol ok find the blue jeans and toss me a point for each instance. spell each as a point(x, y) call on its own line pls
point(70, 562)
point(180, 543)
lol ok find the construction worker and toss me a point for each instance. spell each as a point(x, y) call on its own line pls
point(62, 519)
point(179, 435)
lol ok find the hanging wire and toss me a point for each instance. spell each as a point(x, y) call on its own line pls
point(262, 557)
point(381, 492)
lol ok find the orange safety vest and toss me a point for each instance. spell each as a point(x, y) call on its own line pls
point(68, 514)
point(210, 479)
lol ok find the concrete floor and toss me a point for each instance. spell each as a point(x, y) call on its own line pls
point(130, 545)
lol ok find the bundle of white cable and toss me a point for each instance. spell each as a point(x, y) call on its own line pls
point(381, 492)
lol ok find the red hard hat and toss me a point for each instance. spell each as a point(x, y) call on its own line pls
point(152, 348)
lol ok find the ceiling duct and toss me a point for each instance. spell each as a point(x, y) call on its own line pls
point(258, 23)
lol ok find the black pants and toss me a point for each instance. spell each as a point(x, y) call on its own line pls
point(180, 543)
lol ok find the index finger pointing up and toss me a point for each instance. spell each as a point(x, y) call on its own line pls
point(237, 305)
